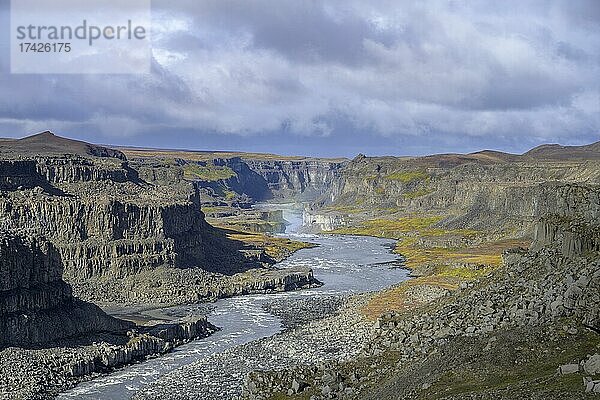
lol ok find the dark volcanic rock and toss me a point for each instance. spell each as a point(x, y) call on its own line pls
point(47, 143)
point(36, 305)
point(125, 233)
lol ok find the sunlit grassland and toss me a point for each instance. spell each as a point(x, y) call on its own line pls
point(207, 172)
point(407, 176)
point(275, 247)
point(444, 266)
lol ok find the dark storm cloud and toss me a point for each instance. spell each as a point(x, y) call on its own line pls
point(303, 31)
point(332, 77)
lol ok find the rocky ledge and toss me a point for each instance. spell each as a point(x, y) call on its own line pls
point(43, 373)
point(181, 286)
point(36, 305)
point(62, 340)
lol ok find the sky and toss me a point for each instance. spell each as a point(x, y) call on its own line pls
point(334, 78)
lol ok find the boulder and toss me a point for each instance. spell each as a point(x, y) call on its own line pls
point(592, 365)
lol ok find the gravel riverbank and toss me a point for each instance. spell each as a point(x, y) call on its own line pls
point(320, 328)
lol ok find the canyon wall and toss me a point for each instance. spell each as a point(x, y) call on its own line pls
point(569, 220)
point(496, 196)
point(260, 179)
point(124, 229)
point(296, 179)
point(36, 305)
point(99, 231)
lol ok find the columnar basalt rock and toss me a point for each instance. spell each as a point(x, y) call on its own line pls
point(42, 373)
point(36, 305)
point(111, 238)
point(303, 179)
point(39, 312)
point(114, 223)
point(569, 220)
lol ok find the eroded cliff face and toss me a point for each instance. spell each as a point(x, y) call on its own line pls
point(36, 305)
point(296, 179)
point(103, 222)
point(503, 196)
point(570, 220)
point(117, 224)
point(260, 179)
point(231, 186)
point(50, 340)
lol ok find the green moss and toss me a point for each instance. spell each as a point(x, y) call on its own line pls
point(208, 172)
point(229, 194)
point(462, 273)
point(417, 193)
point(275, 247)
point(217, 209)
point(407, 176)
point(390, 228)
point(343, 209)
point(538, 373)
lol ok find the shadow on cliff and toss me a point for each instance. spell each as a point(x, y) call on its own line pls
point(37, 307)
point(30, 182)
point(244, 182)
point(230, 256)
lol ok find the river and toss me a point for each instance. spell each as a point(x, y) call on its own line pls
point(345, 264)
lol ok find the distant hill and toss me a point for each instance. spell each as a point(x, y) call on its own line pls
point(200, 155)
point(558, 152)
point(47, 143)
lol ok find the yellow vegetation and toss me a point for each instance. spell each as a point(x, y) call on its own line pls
point(397, 298)
point(390, 228)
point(344, 208)
point(446, 267)
point(417, 193)
point(207, 172)
point(275, 247)
point(407, 176)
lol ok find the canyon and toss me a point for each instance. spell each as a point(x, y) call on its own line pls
point(504, 248)
point(496, 243)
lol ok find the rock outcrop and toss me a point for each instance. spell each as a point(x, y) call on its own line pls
point(569, 220)
point(329, 221)
point(114, 222)
point(43, 373)
point(36, 306)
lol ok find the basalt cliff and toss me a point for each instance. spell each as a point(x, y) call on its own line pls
point(126, 232)
point(51, 340)
point(36, 304)
point(491, 191)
